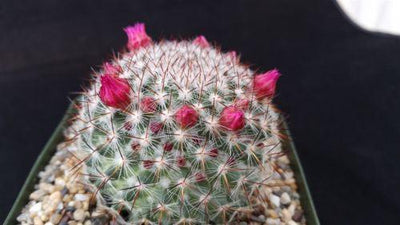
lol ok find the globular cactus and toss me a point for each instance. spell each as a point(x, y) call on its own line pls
point(177, 132)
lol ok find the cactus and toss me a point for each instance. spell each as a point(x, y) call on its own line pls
point(176, 132)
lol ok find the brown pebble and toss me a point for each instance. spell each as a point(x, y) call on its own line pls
point(298, 215)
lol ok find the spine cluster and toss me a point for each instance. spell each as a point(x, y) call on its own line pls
point(177, 132)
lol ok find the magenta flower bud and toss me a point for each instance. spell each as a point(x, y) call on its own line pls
point(242, 103)
point(148, 104)
point(264, 84)
point(213, 152)
point(114, 91)
point(111, 69)
point(147, 164)
point(168, 146)
point(201, 41)
point(199, 177)
point(180, 161)
point(186, 116)
point(137, 36)
point(232, 118)
point(155, 127)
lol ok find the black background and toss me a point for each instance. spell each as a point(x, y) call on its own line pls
point(340, 87)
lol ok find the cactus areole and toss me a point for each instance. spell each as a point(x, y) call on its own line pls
point(176, 132)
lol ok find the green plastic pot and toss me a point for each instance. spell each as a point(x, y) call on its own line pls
point(57, 137)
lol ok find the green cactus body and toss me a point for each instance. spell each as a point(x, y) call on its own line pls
point(152, 162)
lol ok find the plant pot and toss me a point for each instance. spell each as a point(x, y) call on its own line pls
point(57, 137)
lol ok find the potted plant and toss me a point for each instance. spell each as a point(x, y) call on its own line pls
point(169, 132)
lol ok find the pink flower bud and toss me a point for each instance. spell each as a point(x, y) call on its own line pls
point(111, 69)
point(155, 127)
point(199, 177)
point(148, 104)
point(232, 118)
point(242, 103)
point(137, 36)
point(168, 146)
point(114, 91)
point(147, 164)
point(186, 116)
point(135, 146)
point(128, 126)
point(180, 161)
point(213, 152)
point(201, 41)
point(264, 84)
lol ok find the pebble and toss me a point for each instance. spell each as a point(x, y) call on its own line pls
point(79, 215)
point(37, 195)
point(37, 221)
point(55, 218)
point(271, 221)
point(292, 223)
point(36, 208)
point(60, 200)
point(285, 198)
point(275, 200)
point(81, 197)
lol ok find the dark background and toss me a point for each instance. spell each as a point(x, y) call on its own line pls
point(340, 87)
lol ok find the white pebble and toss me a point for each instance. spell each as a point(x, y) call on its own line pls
point(80, 197)
point(292, 223)
point(275, 200)
point(285, 198)
point(35, 208)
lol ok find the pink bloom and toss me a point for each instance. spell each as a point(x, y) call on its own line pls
point(180, 161)
point(111, 69)
point(186, 116)
point(168, 146)
point(232, 118)
point(242, 103)
point(213, 152)
point(155, 127)
point(148, 104)
point(201, 41)
point(137, 36)
point(264, 84)
point(114, 91)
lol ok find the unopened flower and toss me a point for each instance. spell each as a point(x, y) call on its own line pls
point(114, 91)
point(232, 118)
point(137, 36)
point(111, 69)
point(180, 161)
point(199, 177)
point(155, 127)
point(147, 164)
point(135, 146)
point(168, 146)
point(201, 41)
point(186, 116)
point(213, 152)
point(148, 104)
point(264, 84)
